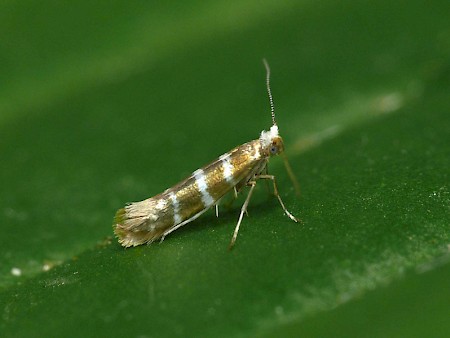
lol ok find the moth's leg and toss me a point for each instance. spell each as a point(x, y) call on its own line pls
point(266, 172)
point(243, 210)
point(275, 188)
point(230, 201)
point(177, 226)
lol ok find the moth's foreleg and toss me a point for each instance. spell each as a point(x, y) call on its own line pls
point(275, 188)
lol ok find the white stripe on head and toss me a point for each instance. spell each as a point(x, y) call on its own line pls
point(267, 137)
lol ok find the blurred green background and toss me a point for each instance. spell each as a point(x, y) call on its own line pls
point(102, 103)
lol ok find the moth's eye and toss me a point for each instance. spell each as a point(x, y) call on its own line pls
point(273, 149)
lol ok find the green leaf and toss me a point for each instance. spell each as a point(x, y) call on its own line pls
point(108, 103)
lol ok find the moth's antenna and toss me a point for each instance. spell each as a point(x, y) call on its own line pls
point(291, 174)
point(272, 108)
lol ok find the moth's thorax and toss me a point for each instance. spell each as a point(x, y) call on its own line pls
point(271, 142)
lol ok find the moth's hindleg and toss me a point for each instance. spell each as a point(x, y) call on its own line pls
point(241, 215)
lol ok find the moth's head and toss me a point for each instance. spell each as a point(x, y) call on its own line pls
point(271, 141)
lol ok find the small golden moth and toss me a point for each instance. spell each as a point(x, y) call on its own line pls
point(156, 217)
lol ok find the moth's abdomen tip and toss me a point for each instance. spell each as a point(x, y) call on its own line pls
point(131, 230)
point(119, 229)
point(125, 237)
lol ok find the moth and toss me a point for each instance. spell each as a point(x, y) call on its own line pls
point(156, 217)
